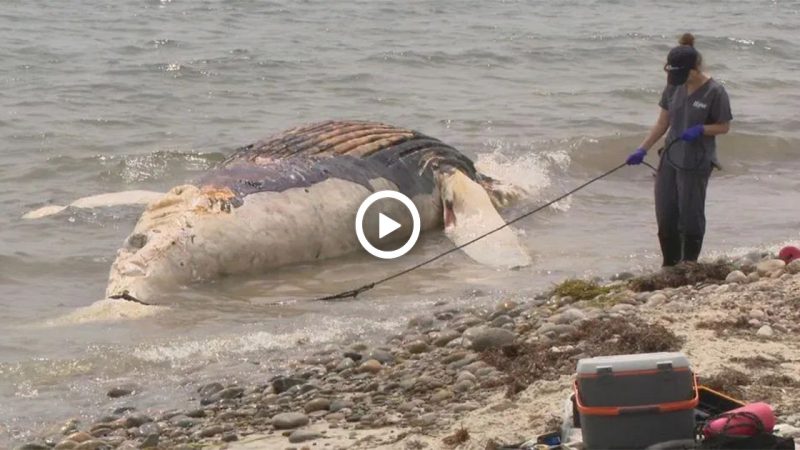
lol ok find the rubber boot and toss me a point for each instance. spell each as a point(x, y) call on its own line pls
point(691, 247)
point(670, 249)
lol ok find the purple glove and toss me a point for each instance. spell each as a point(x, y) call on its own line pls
point(636, 157)
point(692, 133)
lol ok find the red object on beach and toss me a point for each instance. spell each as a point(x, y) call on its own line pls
point(789, 254)
point(741, 421)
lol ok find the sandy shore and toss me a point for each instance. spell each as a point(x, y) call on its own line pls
point(479, 378)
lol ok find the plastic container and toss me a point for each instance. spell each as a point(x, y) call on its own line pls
point(634, 401)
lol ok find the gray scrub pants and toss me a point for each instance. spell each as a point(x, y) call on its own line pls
point(680, 197)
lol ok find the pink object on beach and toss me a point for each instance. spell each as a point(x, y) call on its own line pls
point(789, 254)
point(743, 425)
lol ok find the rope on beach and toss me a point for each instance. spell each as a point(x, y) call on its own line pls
point(354, 292)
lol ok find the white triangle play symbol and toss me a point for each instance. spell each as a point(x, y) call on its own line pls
point(386, 225)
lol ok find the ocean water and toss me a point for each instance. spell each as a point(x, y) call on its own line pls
point(99, 96)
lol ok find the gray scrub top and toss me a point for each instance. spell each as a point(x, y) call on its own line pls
point(707, 105)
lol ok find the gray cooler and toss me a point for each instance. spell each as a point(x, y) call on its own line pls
point(634, 401)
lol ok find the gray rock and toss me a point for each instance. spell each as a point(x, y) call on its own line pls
point(210, 431)
point(150, 428)
point(622, 308)
point(491, 338)
point(210, 389)
point(229, 437)
point(421, 322)
point(788, 431)
point(465, 375)
point(339, 404)
point(93, 445)
point(753, 277)
point(122, 391)
point(622, 276)
point(765, 331)
point(769, 266)
point(123, 410)
point(465, 407)
point(571, 315)
point(196, 413)
point(442, 395)
point(501, 320)
point(793, 267)
point(464, 386)
point(232, 392)
point(318, 404)
point(151, 440)
point(285, 421)
point(656, 300)
point(737, 276)
point(136, 420)
point(65, 445)
point(283, 384)
point(298, 436)
point(417, 347)
point(444, 337)
point(424, 420)
point(33, 446)
point(182, 421)
point(383, 356)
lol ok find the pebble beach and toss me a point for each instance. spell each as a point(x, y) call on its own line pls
point(482, 378)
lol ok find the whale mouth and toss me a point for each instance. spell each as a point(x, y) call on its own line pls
point(126, 295)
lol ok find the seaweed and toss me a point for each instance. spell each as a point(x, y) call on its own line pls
point(684, 274)
point(523, 364)
point(728, 381)
point(580, 289)
point(460, 436)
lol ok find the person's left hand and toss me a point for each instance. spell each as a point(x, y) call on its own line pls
point(692, 133)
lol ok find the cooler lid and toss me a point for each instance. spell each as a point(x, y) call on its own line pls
point(629, 363)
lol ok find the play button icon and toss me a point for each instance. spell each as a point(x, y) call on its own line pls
point(386, 224)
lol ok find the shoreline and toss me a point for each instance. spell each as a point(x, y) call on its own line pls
point(467, 378)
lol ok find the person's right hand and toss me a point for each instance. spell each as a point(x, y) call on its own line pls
point(636, 157)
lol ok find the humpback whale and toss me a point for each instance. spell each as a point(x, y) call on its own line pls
point(292, 198)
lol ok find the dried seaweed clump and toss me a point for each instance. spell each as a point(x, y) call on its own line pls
point(729, 381)
point(580, 289)
point(684, 274)
point(525, 363)
point(459, 437)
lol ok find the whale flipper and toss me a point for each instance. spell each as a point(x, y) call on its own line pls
point(96, 201)
point(469, 213)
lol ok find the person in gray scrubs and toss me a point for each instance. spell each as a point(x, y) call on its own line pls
point(694, 109)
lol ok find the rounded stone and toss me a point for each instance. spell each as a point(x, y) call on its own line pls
point(737, 276)
point(93, 445)
point(210, 431)
point(286, 421)
point(488, 338)
point(765, 331)
point(80, 436)
point(417, 347)
point(318, 404)
point(769, 266)
point(370, 366)
point(298, 436)
point(656, 300)
point(444, 337)
point(121, 391)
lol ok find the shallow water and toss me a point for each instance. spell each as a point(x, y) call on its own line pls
point(107, 96)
